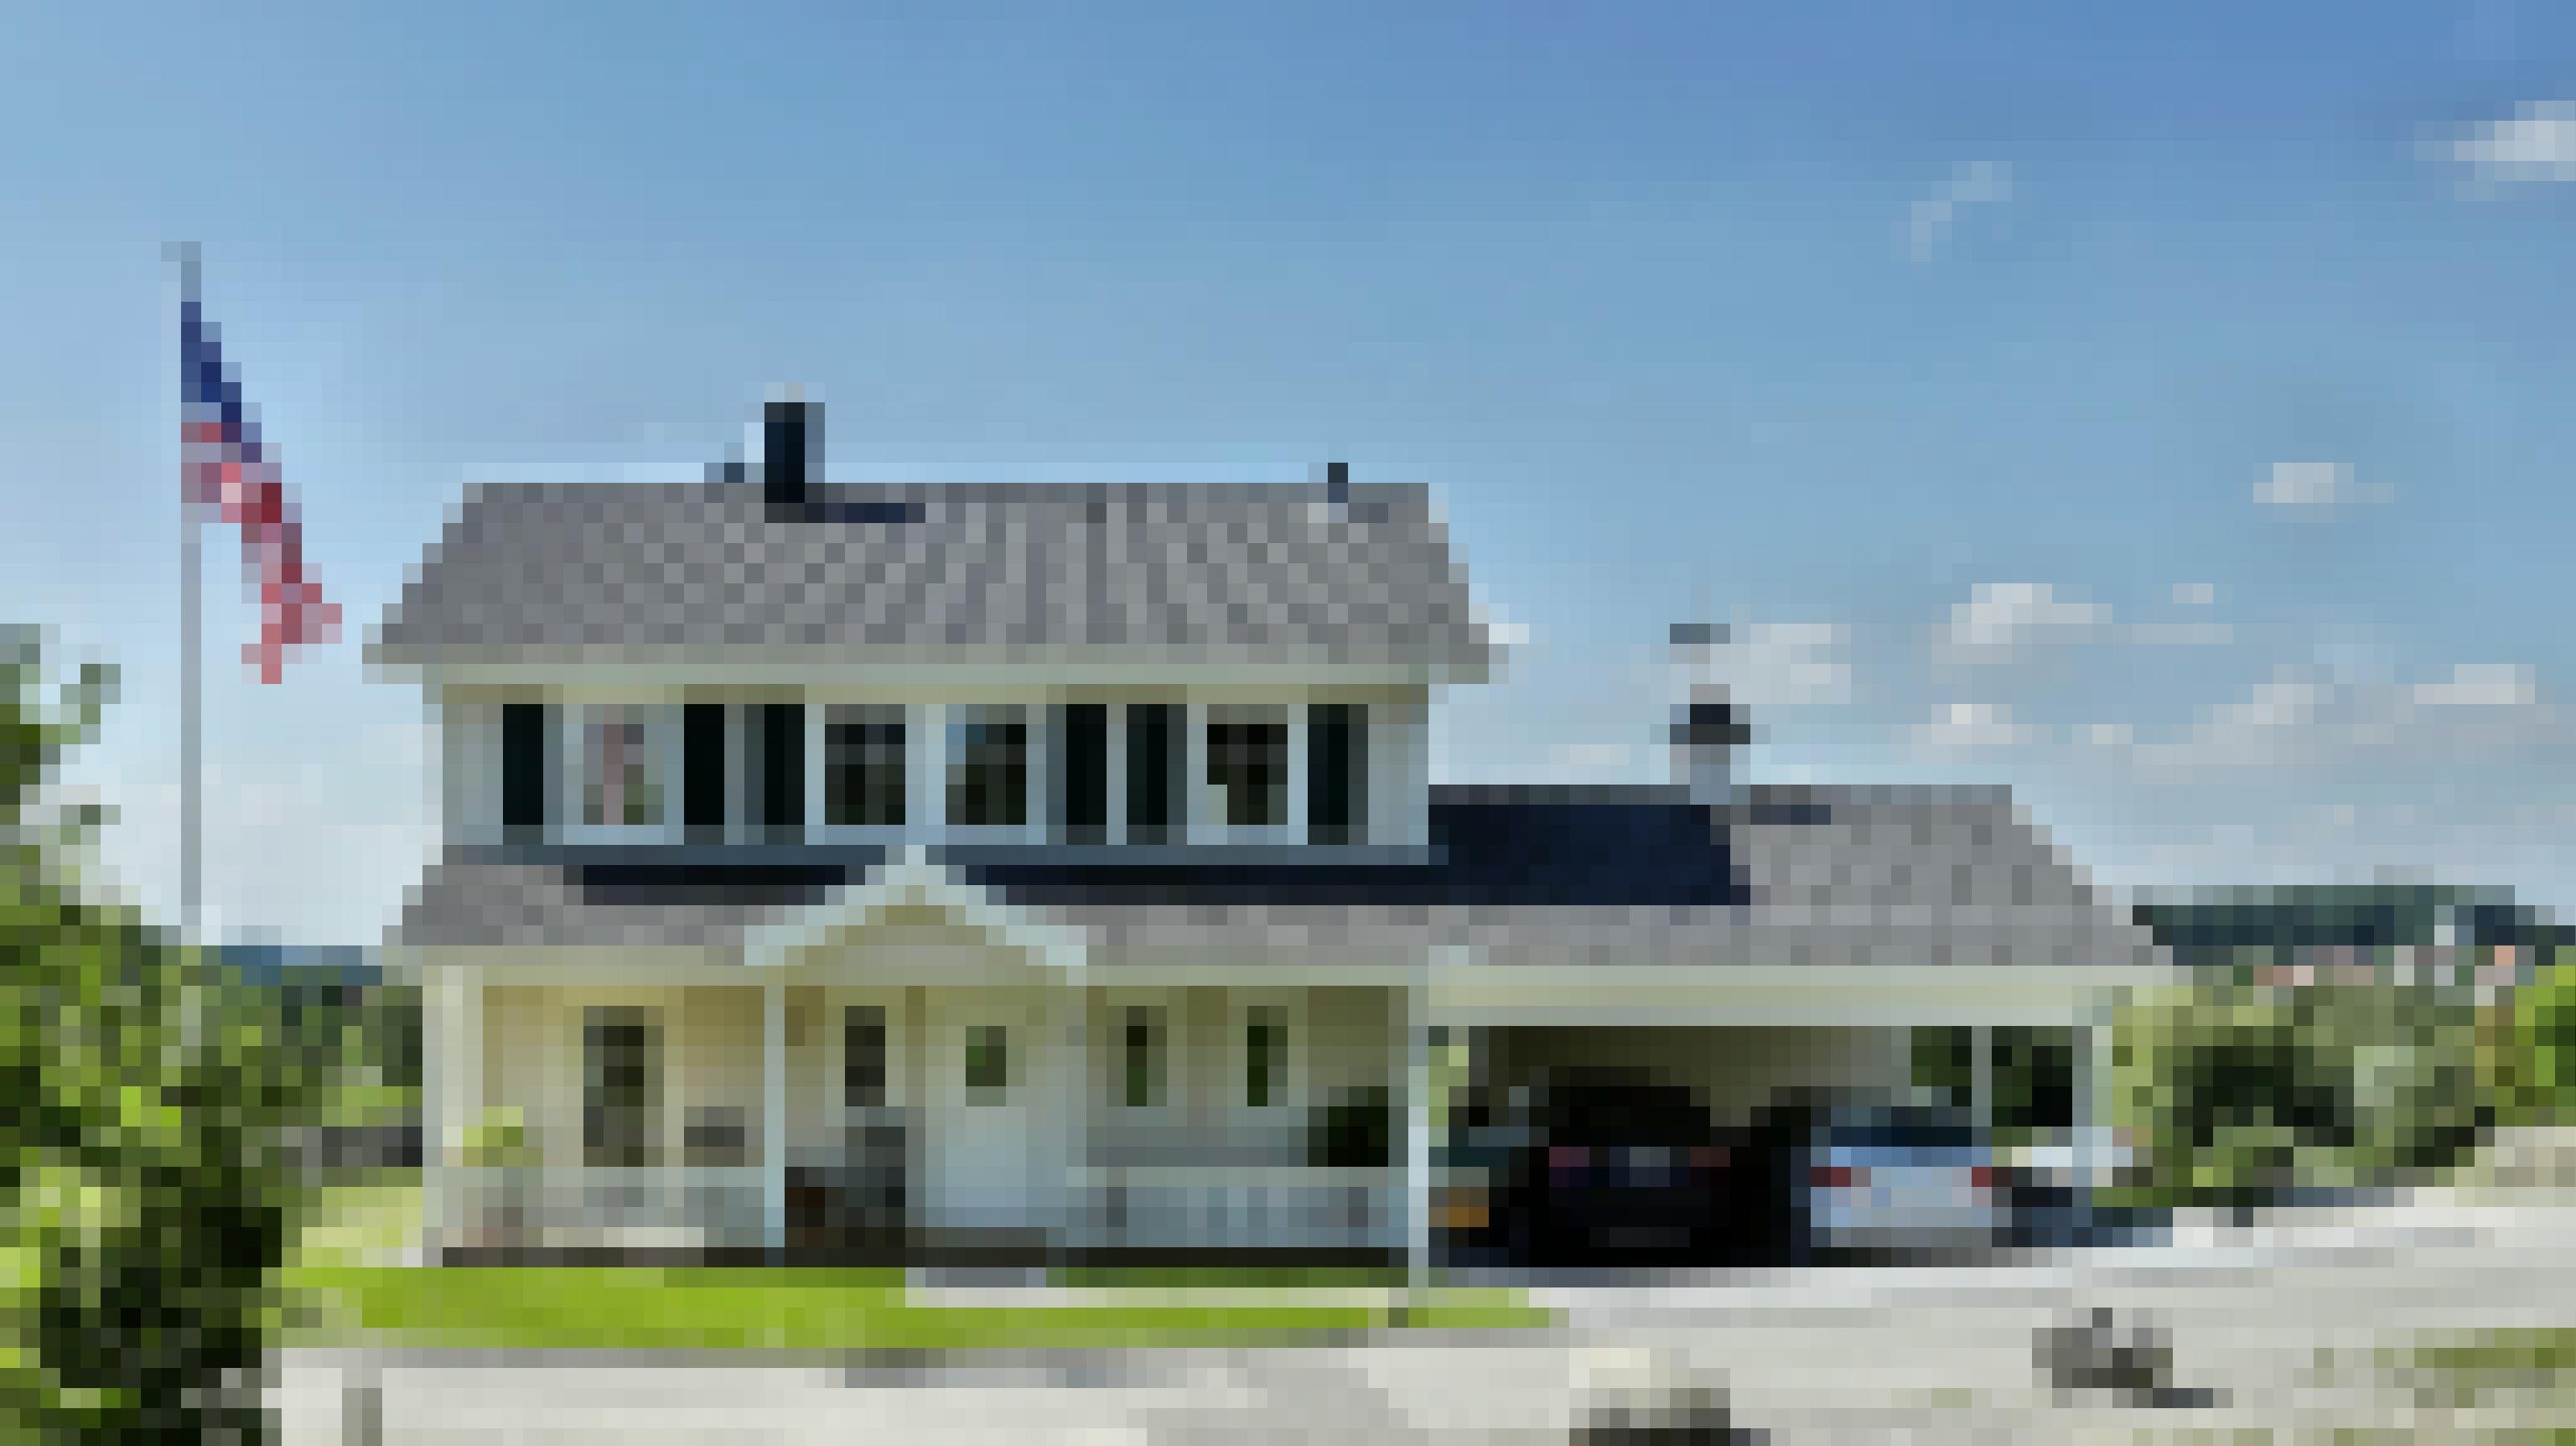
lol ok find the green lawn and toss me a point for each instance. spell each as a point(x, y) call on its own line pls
point(817, 1309)
point(2493, 1359)
point(342, 1271)
point(365, 1220)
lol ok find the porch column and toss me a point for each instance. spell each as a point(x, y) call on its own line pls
point(1066, 1009)
point(773, 1114)
point(1417, 1139)
point(455, 1098)
point(436, 1027)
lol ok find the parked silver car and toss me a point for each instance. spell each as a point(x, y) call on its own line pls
point(1902, 1179)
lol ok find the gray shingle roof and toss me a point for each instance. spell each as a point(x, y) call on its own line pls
point(1920, 875)
point(706, 572)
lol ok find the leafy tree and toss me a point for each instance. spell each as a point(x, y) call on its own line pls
point(2237, 1092)
point(2535, 1048)
point(143, 1195)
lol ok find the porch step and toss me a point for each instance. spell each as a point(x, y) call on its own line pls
point(976, 1278)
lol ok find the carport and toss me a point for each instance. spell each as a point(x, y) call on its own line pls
point(1738, 1034)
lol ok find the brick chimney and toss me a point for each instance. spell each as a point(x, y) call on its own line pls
point(791, 449)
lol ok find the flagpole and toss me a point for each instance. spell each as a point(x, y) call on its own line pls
point(191, 631)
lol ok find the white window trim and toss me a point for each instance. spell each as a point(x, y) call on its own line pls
point(1291, 827)
point(819, 827)
point(1290, 1097)
point(1032, 798)
point(662, 740)
point(1115, 1107)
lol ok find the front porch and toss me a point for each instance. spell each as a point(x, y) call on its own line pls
point(794, 1113)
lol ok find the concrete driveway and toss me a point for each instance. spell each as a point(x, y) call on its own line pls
point(2277, 1324)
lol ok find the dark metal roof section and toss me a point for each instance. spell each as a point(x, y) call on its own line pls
point(1491, 848)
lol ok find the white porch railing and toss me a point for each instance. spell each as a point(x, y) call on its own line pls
point(1259, 1207)
point(557, 1207)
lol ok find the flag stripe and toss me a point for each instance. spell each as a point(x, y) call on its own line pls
point(229, 472)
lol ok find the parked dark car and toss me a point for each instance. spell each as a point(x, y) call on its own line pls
point(1609, 1168)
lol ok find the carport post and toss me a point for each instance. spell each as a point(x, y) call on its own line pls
point(1981, 1075)
point(2093, 1090)
point(1417, 1143)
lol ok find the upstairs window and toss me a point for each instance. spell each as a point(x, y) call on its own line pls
point(988, 767)
point(1247, 765)
point(623, 775)
point(863, 767)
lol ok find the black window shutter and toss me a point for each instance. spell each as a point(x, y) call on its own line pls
point(1337, 772)
point(782, 782)
point(702, 769)
point(523, 770)
point(1083, 777)
point(1152, 756)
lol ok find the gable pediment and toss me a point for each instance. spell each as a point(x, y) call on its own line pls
point(908, 902)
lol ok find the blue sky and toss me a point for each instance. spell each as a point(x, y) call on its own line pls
point(2155, 409)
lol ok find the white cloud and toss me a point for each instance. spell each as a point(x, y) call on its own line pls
point(1785, 665)
point(2311, 716)
point(1963, 726)
point(2000, 620)
point(1594, 757)
point(2317, 486)
point(2536, 143)
point(2182, 635)
point(2195, 594)
point(1972, 183)
point(2481, 685)
point(2290, 697)
point(1501, 629)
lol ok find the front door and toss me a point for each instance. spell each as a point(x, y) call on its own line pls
point(990, 1081)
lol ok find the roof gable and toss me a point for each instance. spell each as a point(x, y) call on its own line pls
point(908, 893)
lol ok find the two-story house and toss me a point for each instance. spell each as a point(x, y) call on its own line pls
point(1061, 867)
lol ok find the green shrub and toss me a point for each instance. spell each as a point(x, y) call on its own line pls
point(2236, 1092)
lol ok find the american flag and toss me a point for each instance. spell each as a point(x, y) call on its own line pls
point(229, 471)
